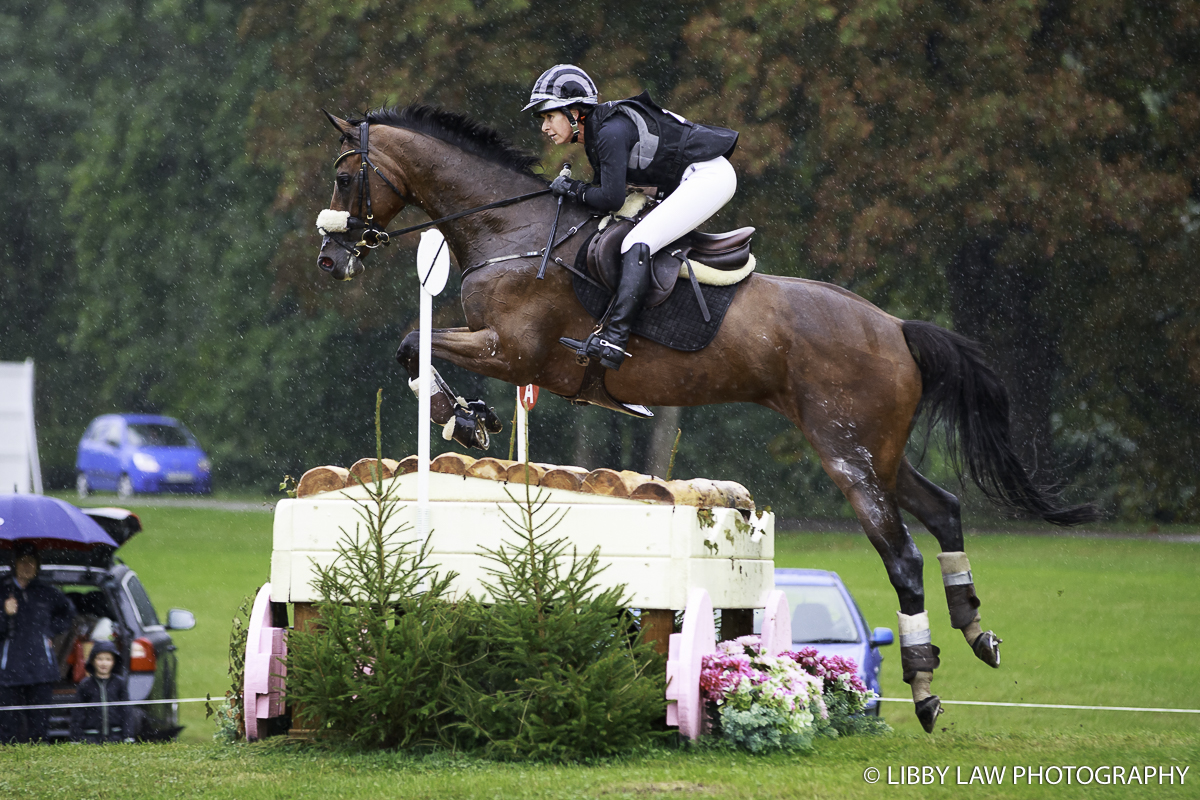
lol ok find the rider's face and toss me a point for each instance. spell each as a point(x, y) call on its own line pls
point(556, 126)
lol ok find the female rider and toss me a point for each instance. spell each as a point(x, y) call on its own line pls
point(633, 141)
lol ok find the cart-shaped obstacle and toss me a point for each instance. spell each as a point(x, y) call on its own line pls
point(670, 557)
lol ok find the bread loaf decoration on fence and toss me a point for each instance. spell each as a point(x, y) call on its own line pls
point(697, 492)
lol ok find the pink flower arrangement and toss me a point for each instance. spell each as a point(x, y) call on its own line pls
point(792, 679)
point(837, 672)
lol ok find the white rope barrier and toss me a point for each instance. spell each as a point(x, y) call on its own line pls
point(1049, 705)
point(53, 706)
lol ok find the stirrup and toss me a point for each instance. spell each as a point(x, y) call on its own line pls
point(610, 355)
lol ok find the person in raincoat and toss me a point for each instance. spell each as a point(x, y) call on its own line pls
point(104, 685)
point(633, 141)
point(33, 613)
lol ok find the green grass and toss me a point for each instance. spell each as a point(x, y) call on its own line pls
point(1085, 621)
point(834, 770)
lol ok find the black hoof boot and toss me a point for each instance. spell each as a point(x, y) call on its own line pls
point(485, 415)
point(928, 710)
point(987, 648)
point(468, 431)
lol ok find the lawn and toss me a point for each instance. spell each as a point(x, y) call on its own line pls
point(1086, 621)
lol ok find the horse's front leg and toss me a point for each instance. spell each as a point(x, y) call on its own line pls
point(467, 422)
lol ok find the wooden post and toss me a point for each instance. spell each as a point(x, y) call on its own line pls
point(304, 618)
point(657, 625)
point(736, 622)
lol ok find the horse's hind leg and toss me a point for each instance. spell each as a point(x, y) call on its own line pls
point(878, 512)
point(938, 511)
point(467, 422)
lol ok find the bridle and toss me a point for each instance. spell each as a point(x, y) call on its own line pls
point(372, 235)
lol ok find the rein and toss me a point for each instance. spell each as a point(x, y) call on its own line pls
point(379, 237)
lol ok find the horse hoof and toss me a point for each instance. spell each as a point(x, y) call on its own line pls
point(468, 432)
point(987, 648)
point(928, 710)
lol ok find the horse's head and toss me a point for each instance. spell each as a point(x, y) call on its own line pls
point(368, 192)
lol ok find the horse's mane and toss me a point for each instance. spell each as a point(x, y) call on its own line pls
point(458, 130)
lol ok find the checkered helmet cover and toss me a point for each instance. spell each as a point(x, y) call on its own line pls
point(562, 85)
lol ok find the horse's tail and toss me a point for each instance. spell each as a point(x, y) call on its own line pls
point(961, 391)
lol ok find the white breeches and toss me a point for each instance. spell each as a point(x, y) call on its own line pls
point(705, 188)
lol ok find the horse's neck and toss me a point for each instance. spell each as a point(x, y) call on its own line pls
point(445, 180)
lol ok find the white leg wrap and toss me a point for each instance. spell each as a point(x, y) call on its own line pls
point(920, 686)
point(448, 429)
point(914, 630)
point(956, 571)
point(956, 568)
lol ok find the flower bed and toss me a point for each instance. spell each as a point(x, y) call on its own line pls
point(768, 702)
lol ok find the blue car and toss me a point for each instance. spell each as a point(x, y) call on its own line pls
point(140, 454)
point(825, 617)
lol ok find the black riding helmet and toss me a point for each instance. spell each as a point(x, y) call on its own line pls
point(564, 86)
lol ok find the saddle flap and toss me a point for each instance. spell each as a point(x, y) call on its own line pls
point(721, 251)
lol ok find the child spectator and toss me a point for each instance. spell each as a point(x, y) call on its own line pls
point(103, 723)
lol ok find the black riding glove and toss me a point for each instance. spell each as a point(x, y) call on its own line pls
point(566, 187)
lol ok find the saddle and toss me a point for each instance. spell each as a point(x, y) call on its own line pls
point(727, 254)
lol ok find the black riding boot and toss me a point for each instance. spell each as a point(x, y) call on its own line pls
point(608, 344)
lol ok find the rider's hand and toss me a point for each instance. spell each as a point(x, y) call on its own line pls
point(10, 605)
point(564, 186)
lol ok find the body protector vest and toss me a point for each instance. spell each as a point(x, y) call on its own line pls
point(666, 145)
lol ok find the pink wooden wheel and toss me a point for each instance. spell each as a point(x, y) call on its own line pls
point(777, 624)
point(265, 670)
point(684, 655)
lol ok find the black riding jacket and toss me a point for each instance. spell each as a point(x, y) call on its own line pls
point(635, 141)
point(26, 652)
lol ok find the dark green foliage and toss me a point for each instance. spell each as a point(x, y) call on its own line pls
point(846, 719)
point(559, 670)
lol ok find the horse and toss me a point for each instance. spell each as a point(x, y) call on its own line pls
point(852, 377)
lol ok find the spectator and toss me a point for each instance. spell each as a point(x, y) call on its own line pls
point(103, 723)
point(34, 612)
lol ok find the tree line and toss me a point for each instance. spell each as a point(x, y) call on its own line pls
point(1026, 174)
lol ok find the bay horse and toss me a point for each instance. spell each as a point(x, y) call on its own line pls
point(853, 378)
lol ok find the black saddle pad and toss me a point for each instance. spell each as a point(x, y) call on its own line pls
point(677, 322)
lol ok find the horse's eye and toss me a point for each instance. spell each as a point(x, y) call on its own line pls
point(343, 180)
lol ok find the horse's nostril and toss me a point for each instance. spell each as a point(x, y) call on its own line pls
point(325, 263)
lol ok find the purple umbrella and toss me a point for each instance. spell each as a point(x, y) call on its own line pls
point(48, 522)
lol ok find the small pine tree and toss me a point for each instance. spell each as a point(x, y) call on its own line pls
point(558, 669)
point(377, 668)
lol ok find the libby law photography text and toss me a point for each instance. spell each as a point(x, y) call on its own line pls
point(926, 775)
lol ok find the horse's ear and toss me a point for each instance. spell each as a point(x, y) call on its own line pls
point(342, 126)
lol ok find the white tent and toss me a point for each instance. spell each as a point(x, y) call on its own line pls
point(20, 469)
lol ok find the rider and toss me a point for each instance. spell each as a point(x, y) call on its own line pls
point(633, 141)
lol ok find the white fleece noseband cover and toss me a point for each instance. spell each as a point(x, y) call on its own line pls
point(330, 221)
